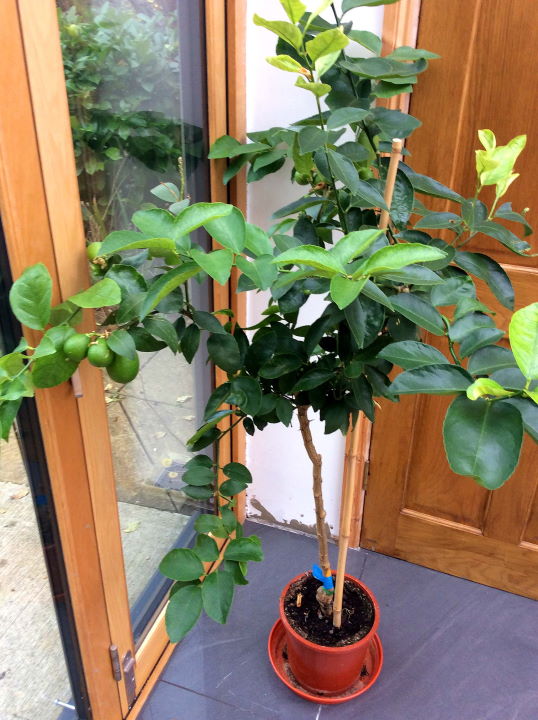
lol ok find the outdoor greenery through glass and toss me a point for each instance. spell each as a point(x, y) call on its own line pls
point(380, 291)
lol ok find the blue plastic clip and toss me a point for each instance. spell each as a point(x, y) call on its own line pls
point(327, 580)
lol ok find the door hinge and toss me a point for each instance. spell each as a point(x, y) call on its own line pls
point(128, 675)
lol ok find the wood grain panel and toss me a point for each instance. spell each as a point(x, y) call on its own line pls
point(416, 508)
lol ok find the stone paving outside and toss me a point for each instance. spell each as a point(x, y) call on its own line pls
point(150, 421)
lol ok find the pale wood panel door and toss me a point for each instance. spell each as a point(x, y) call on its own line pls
point(416, 508)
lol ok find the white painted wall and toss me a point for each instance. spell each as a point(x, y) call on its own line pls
point(282, 472)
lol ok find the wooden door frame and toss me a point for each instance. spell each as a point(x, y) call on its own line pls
point(40, 208)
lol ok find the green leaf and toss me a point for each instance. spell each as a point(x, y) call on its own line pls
point(228, 230)
point(354, 244)
point(190, 341)
point(344, 290)
point(395, 257)
point(206, 549)
point(163, 329)
point(45, 347)
point(244, 550)
point(129, 279)
point(199, 476)
point(485, 268)
point(523, 333)
point(210, 524)
point(428, 186)
point(312, 379)
point(348, 5)
point(30, 297)
point(299, 205)
point(505, 212)
point(356, 319)
point(8, 413)
point(181, 564)
point(217, 264)
point(313, 256)
point(52, 370)
point(345, 116)
point(367, 39)
point(251, 390)
point(486, 387)
point(207, 321)
point(121, 240)
point(318, 88)
point(479, 338)
point(229, 147)
point(224, 352)
point(164, 284)
point(294, 9)
point(183, 611)
point(65, 312)
point(284, 411)
point(432, 380)
point(344, 170)
point(217, 595)
point(285, 62)
point(122, 343)
point(326, 43)
point(419, 312)
point(403, 200)
point(237, 471)
point(311, 138)
point(504, 236)
point(404, 52)
point(166, 191)
point(261, 271)
point(413, 275)
point(103, 294)
point(410, 354)
point(529, 413)
point(285, 30)
point(452, 290)
point(374, 293)
point(257, 241)
point(439, 220)
point(490, 358)
point(393, 123)
point(483, 440)
point(459, 330)
point(280, 365)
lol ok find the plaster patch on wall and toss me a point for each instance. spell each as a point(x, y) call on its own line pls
point(267, 518)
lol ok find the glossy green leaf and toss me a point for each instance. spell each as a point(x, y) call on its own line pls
point(217, 264)
point(410, 354)
point(317, 88)
point(181, 564)
point(504, 236)
point(210, 524)
point(395, 257)
point(371, 291)
point(367, 39)
point(285, 62)
point(450, 292)
point(217, 595)
point(163, 329)
point(428, 186)
point(167, 192)
point(183, 611)
point(404, 52)
point(313, 256)
point(30, 297)
point(432, 380)
point(395, 124)
point(224, 352)
point(294, 9)
point(344, 290)
point(440, 220)
point(356, 319)
point(280, 365)
point(485, 268)
point(129, 279)
point(312, 379)
point(261, 271)
point(122, 344)
point(523, 333)
point(285, 30)
point(228, 230)
point(529, 413)
point(479, 338)
point(326, 43)
point(8, 413)
point(489, 359)
point(244, 550)
point(104, 293)
point(257, 241)
point(52, 370)
point(229, 147)
point(505, 212)
point(164, 284)
point(403, 200)
point(121, 240)
point(483, 440)
point(354, 244)
point(206, 548)
point(419, 312)
point(413, 275)
point(344, 170)
point(345, 116)
point(190, 341)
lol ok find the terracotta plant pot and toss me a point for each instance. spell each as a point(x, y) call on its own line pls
point(325, 670)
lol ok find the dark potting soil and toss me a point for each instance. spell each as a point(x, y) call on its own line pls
point(307, 619)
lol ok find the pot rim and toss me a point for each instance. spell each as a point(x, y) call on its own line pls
point(328, 648)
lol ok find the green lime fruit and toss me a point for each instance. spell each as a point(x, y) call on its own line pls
point(99, 354)
point(92, 250)
point(301, 178)
point(76, 347)
point(123, 369)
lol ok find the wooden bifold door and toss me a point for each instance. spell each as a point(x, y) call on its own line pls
point(416, 508)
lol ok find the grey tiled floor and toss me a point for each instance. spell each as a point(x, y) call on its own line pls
point(454, 650)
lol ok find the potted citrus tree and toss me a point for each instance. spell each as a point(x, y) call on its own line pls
point(359, 238)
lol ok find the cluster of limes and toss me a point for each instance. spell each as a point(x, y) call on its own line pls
point(121, 369)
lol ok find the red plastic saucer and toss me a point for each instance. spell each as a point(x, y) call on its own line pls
point(278, 657)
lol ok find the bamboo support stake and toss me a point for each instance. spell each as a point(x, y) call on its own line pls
point(351, 460)
point(315, 458)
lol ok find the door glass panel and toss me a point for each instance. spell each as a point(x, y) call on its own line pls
point(33, 674)
point(136, 87)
